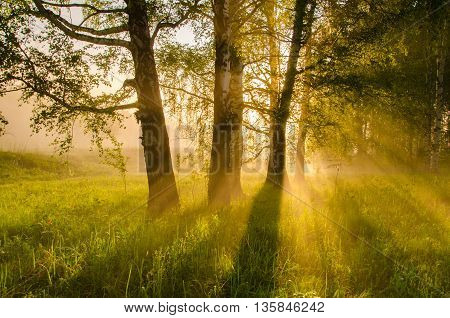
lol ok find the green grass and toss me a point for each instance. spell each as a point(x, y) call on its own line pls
point(15, 167)
point(79, 235)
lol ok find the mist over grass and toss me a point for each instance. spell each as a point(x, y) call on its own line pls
point(65, 232)
point(26, 166)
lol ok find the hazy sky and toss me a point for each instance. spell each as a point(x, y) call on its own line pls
point(19, 134)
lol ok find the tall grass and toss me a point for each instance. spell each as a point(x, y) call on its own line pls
point(88, 237)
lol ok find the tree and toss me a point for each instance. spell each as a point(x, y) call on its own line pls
point(303, 121)
point(3, 123)
point(440, 34)
point(127, 31)
point(350, 107)
point(277, 159)
point(226, 152)
point(274, 53)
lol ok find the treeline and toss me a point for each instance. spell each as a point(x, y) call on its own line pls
point(283, 79)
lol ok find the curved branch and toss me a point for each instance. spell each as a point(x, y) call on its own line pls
point(257, 109)
point(56, 21)
point(172, 25)
point(12, 90)
point(76, 108)
point(162, 24)
point(107, 31)
point(106, 110)
point(206, 99)
point(84, 5)
point(256, 154)
point(249, 126)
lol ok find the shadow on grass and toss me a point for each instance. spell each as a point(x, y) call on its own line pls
point(411, 266)
point(254, 273)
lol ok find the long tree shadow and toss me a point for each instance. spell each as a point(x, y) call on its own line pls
point(410, 265)
point(254, 271)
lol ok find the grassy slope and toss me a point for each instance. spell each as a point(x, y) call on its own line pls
point(87, 236)
point(16, 167)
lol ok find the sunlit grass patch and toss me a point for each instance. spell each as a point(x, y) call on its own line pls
point(92, 237)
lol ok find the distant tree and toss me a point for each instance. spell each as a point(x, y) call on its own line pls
point(3, 123)
point(187, 77)
point(371, 80)
point(440, 35)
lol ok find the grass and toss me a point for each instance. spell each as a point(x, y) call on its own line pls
point(16, 167)
point(83, 235)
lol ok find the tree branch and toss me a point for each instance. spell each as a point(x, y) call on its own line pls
point(172, 25)
point(56, 21)
point(12, 90)
point(84, 5)
point(107, 31)
point(209, 100)
point(77, 108)
point(258, 109)
point(256, 154)
point(253, 128)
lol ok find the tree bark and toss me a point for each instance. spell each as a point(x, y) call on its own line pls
point(163, 192)
point(303, 123)
point(237, 108)
point(226, 152)
point(277, 159)
point(301, 152)
point(439, 102)
point(274, 53)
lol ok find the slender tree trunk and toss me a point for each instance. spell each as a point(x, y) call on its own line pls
point(303, 123)
point(362, 123)
point(439, 102)
point(226, 152)
point(302, 136)
point(301, 152)
point(277, 159)
point(426, 132)
point(274, 53)
point(155, 140)
point(237, 108)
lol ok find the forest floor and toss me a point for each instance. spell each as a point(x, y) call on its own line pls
point(66, 231)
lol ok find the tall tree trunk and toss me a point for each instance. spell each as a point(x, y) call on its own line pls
point(237, 108)
point(302, 137)
point(155, 140)
point(430, 84)
point(361, 142)
point(277, 159)
point(301, 152)
point(226, 149)
point(439, 102)
point(303, 123)
point(274, 53)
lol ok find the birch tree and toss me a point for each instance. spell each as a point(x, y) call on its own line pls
point(129, 30)
point(226, 153)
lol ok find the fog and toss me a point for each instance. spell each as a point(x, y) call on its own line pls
point(19, 135)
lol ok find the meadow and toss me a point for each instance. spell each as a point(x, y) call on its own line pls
point(74, 230)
